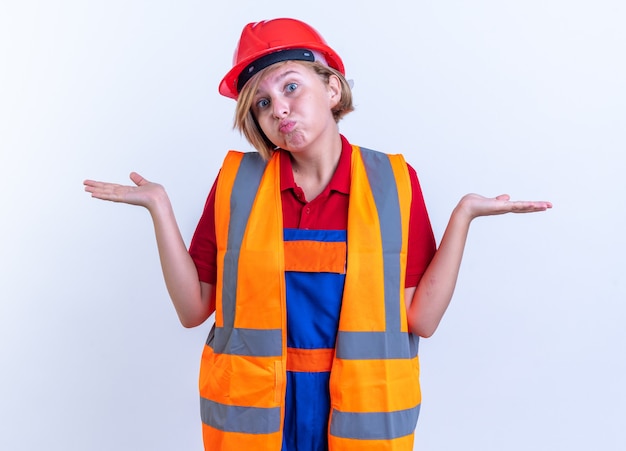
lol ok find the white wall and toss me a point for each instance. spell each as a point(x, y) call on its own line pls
point(486, 96)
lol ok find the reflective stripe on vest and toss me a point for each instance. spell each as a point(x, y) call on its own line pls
point(242, 375)
point(370, 409)
point(228, 338)
point(242, 378)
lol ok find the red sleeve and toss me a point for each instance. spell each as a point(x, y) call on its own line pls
point(421, 239)
point(203, 247)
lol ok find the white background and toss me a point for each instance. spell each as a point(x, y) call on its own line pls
point(489, 96)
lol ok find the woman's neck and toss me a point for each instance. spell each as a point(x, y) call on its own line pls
point(312, 171)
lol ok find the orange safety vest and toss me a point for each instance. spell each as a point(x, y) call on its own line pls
point(374, 382)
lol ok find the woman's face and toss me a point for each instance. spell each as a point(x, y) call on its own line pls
point(293, 106)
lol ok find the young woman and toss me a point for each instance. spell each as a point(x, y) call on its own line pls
point(317, 257)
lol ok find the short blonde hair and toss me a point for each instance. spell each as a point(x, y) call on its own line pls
point(247, 124)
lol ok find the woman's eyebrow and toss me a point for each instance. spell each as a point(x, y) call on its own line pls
point(280, 78)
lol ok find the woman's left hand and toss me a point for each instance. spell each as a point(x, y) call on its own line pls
point(475, 205)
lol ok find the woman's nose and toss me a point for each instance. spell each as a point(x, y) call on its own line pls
point(280, 107)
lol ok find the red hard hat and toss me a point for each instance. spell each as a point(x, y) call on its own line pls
point(260, 39)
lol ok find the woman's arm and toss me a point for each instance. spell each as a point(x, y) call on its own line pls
point(427, 302)
point(192, 299)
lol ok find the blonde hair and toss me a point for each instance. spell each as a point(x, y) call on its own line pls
point(246, 123)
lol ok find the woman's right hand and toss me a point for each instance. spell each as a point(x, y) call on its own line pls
point(145, 193)
point(193, 300)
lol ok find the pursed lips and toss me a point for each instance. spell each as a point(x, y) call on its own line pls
point(286, 126)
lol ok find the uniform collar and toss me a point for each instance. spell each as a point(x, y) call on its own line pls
point(340, 180)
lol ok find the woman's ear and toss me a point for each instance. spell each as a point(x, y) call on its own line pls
point(334, 90)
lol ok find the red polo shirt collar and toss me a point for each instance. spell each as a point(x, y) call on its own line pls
point(340, 181)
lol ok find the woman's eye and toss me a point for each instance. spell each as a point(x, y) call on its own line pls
point(291, 87)
point(262, 103)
